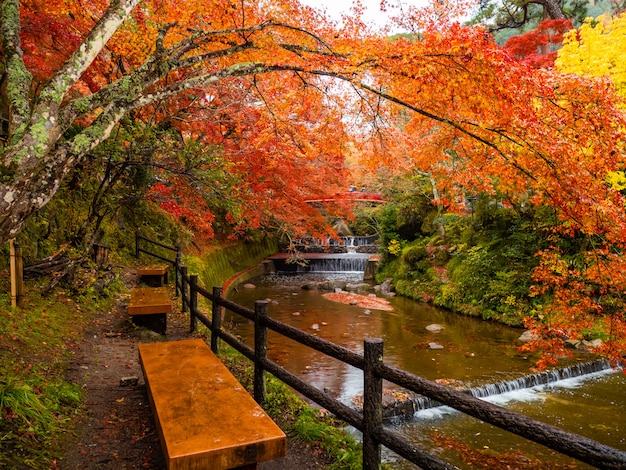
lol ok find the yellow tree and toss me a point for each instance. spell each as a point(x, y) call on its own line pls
point(596, 49)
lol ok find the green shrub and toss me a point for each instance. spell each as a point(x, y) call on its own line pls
point(412, 255)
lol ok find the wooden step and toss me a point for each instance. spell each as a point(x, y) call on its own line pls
point(204, 416)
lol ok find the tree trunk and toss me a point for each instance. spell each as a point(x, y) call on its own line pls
point(552, 9)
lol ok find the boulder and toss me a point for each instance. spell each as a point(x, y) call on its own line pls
point(357, 286)
point(528, 335)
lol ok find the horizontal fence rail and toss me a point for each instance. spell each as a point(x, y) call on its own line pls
point(176, 262)
point(370, 421)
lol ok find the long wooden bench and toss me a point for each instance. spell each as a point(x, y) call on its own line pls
point(205, 418)
point(149, 307)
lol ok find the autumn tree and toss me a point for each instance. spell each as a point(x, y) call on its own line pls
point(126, 62)
point(539, 47)
point(446, 102)
point(534, 137)
point(595, 50)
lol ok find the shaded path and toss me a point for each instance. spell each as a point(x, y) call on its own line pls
point(118, 432)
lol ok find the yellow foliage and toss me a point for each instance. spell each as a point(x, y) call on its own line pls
point(394, 247)
point(596, 50)
point(617, 180)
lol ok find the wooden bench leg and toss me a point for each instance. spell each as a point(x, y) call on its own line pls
point(156, 322)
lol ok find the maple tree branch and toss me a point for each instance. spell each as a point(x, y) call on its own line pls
point(307, 33)
point(159, 65)
point(88, 50)
point(18, 78)
point(235, 70)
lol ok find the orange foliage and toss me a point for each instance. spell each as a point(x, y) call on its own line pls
point(479, 121)
point(253, 79)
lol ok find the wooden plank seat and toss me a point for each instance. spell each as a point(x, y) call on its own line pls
point(157, 272)
point(149, 307)
point(204, 416)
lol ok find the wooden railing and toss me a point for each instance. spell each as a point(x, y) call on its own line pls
point(370, 420)
point(153, 244)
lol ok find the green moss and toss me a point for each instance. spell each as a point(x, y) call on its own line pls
point(219, 265)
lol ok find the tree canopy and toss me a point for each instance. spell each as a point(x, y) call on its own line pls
point(258, 85)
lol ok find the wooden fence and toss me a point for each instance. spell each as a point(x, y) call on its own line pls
point(375, 371)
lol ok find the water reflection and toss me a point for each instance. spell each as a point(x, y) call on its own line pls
point(474, 353)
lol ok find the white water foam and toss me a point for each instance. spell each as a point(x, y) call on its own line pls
point(537, 393)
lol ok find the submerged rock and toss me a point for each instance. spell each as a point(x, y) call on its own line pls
point(325, 285)
point(396, 404)
point(435, 328)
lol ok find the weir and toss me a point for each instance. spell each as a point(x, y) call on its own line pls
point(320, 262)
point(420, 403)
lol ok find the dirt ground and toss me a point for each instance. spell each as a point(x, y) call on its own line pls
point(118, 430)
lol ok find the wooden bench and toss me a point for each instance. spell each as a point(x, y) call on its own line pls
point(149, 307)
point(158, 272)
point(204, 416)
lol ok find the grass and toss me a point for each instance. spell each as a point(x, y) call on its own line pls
point(37, 404)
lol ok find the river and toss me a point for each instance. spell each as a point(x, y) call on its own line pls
point(472, 353)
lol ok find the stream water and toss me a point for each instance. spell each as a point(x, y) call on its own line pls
point(473, 353)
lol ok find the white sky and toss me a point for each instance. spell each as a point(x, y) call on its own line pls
point(336, 8)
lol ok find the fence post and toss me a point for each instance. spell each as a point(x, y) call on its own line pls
point(372, 403)
point(17, 274)
point(193, 302)
point(216, 319)
point(137, 245)
point(260, 350)
point(177, 264)
point(183, 287)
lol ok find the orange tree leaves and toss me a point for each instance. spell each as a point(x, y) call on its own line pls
point(170, 58)
point(479, 121)
point(448, 102)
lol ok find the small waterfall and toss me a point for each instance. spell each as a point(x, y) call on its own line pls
point(541, 378)
point(525, 382)
point(334, 264)
point(322, 263)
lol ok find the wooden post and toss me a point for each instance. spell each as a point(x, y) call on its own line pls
point(177, 264)
point(193, 302)
point(17, 277)
point(137, 245)
point(260, 350)
point(183, 287)
point(216, 320)
point(372, 403)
